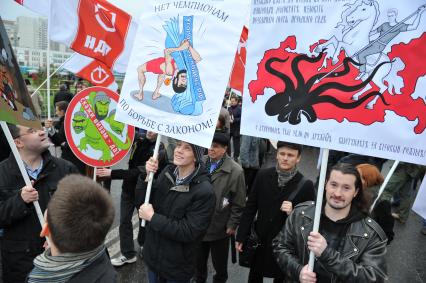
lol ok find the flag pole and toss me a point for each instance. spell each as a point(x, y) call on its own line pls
point(151, 175)
point(318, 205)
point(51, 75)
point(94, 173)
point(48, 75)
point(383, 186)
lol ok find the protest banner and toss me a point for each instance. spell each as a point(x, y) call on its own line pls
point(347, 86)
point(179, 67)
point(92, 132)
point(356, 84)
point(15, 103)
point(94, 28)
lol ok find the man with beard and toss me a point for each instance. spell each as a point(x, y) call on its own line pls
point(349, 247)
point(21, 241)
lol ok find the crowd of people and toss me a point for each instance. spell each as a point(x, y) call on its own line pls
point(204, 202)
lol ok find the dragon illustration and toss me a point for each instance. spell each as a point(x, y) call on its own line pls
point(298, 99)
point(99, 102)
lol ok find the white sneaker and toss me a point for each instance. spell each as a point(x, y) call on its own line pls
point(122, 260)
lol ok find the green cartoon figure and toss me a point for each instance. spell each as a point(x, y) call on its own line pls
point(79, 122)
point(100, 102)
point(116, 126)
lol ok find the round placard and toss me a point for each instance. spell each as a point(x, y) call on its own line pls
point(92, 132)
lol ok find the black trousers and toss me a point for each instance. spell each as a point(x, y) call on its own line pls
point(219, 250)
point(249, 176)
point(255, 277)
point(236, 137)
point(127, 207)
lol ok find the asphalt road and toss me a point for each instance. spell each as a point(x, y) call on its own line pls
point(406, 255)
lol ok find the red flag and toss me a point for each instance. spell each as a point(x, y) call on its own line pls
point(238, 70)
point(91, 70)
point(94, 28)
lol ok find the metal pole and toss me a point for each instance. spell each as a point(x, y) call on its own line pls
point(94, 173)
point(383, 186)
point(151, 174)
point(48, 75)
point(318, 204)
point(51, 75)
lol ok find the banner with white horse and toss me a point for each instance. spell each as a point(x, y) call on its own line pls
point(345, 75)
point(179, 67)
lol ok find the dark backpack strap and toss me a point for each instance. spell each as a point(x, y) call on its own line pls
point(299, 187)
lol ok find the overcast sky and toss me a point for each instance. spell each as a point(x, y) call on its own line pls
point(10, 10)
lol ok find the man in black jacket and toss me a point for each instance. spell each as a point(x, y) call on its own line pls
point(274, 193)
point(76, 251)
point(182, 205)
point(62, 95)
point(349, 247)
point(21, 240)
point(56, 132)
point(142, 150)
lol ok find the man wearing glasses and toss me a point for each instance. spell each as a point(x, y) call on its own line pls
point(21, 241)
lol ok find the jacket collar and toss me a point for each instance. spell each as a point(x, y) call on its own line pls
point(184, 188)
point(309, 214)
point(225, 167)
point(13, 165)
point(357, 230)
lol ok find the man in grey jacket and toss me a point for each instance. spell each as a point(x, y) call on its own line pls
point(227, 178)
point(349, 247)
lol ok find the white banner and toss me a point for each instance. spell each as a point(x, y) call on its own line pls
point(419, 205)
point(344, 75)
point(179, 67)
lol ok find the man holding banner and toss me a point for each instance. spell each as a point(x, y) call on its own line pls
point(21, 241)
point(183, 202)
point(350, 246)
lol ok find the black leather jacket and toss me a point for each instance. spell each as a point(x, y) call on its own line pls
point(361, 260)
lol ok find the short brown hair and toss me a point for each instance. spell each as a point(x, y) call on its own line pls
point(290, 145)
point(79, 215)
point(62, 105)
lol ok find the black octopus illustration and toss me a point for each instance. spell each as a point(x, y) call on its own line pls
point(291, 103)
